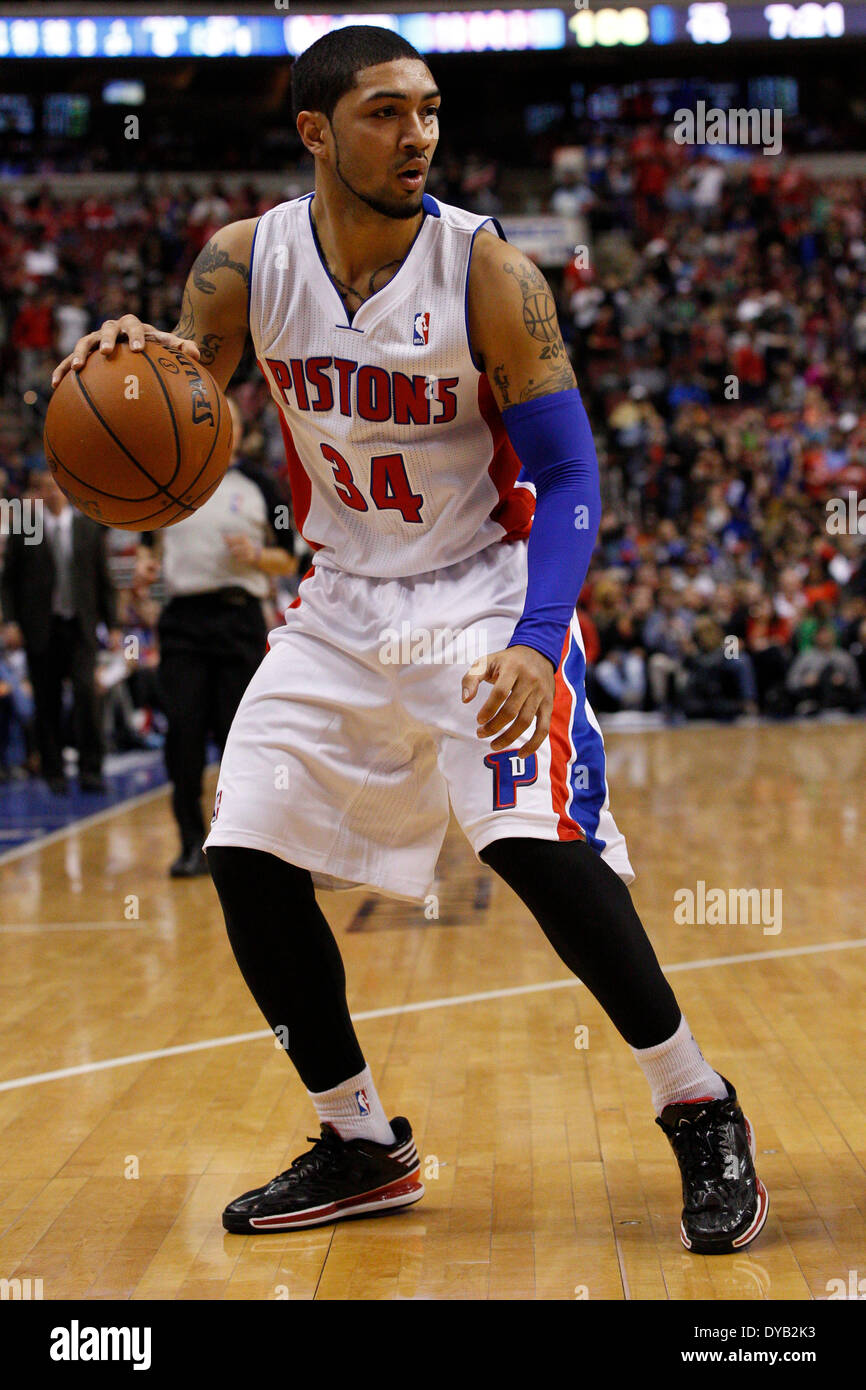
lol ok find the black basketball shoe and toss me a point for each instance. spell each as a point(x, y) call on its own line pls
point(725, 1204)
point(336, 1179)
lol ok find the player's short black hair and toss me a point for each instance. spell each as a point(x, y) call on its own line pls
point(326, 70)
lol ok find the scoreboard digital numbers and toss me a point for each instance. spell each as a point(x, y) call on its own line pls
point(450, 31)
point(714, 22)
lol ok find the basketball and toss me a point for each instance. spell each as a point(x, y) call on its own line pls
point(138, 440)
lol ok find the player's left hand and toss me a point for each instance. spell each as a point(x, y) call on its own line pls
point(523, 683)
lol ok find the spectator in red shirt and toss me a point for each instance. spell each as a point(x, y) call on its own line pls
point(819, 587)
point(33, 334)
point(750, 369)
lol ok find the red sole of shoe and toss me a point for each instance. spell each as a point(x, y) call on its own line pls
point(392, 1196)
point(760, 1217)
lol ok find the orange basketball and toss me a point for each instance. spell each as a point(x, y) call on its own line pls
point(138, 440)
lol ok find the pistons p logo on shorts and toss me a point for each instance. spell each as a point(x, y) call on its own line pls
point(510, 771)
point(216, 806)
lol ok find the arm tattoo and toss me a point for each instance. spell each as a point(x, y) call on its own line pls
point(209, 345)
point(501, 378)
point(563, 379)
point(185, 327)
point(208, 348)
point(539, 307)
point(212, 257)
point(540, 320)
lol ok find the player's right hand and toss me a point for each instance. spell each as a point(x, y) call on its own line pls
point(106, 337)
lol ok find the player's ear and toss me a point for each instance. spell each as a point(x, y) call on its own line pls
point(311, 128)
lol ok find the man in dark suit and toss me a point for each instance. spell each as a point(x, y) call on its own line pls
point(54, 594)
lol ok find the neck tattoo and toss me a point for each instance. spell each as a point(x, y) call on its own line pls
point(352, 298)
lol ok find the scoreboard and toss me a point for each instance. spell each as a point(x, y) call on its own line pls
point(706, 22)
point(714, 22)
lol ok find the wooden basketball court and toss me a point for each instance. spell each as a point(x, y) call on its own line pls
point(546, 1177)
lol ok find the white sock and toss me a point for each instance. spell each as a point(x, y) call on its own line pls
point(355, 1110)
point(677, 1071)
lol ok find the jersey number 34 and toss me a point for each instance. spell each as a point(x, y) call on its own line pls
point(389, 485)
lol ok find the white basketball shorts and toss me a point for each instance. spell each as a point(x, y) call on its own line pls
point(352, 736)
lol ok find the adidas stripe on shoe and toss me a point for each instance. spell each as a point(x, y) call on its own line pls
point(335, 1179)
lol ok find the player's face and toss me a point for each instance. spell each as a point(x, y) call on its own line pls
point(386, 122)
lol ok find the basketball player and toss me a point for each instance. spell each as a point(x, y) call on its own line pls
point(417, 364)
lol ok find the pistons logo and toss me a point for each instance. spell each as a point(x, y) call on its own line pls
point(510, 771)
point(422, 329)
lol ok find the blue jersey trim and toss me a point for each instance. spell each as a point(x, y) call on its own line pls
point(250, 285)
point(584, 803)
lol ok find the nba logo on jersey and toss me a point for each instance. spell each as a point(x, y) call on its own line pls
point(363, 1103)
point(216, 806)
point(422, 329)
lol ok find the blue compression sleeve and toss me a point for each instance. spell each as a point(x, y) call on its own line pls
point(553, 440)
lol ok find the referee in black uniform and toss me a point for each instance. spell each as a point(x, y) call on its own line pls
point(216, 568)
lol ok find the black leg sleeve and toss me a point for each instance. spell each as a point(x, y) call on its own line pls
point(587, 915)
point(290, 960)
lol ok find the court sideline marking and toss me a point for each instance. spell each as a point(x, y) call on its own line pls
point(422, 1006)
point(63, 832)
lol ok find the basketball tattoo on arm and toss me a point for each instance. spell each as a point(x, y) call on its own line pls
point(541, 323)
point(514, 326)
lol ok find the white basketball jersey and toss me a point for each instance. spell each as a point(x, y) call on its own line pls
point(398, 459)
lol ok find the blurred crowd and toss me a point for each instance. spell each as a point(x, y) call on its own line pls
point(715, 315)
point(718, 334)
